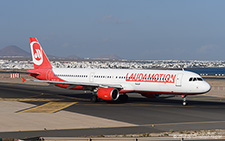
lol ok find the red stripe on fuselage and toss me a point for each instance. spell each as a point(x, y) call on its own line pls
point(158, 92)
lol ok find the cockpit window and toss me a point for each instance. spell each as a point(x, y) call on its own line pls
point(195, 79)
point(199, 79)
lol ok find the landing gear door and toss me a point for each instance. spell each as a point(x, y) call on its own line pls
point(91, 77)
point(179, 80)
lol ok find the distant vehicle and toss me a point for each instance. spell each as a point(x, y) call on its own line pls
point(115, 84)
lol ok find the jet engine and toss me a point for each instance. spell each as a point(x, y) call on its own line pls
point(110, 94)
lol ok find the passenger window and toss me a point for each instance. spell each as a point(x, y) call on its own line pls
point(195, 79)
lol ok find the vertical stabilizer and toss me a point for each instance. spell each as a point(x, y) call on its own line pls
point(40, 60)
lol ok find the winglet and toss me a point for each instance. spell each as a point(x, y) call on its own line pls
point(23, 79)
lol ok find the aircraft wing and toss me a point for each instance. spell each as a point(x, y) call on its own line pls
point(80, 84)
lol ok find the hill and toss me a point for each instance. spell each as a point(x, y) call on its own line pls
point(14, 51)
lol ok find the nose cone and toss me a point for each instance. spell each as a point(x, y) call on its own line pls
point(206, 87)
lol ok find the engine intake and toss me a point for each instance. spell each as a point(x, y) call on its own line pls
point(110, 94)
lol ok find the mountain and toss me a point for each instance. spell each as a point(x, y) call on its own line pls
point(13, 51)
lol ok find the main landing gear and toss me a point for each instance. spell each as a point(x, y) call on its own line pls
point(94, 98)
point(123, 98)
point(184, 100)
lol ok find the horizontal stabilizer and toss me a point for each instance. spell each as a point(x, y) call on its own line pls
point(20, 72)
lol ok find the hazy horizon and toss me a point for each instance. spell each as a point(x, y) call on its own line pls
point(133, 30)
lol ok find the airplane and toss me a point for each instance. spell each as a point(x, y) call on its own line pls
point(115, 84)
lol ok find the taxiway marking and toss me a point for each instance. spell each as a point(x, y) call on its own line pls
point(29, 99)
point(50, 107)
point(183, 123)
point(66, 97)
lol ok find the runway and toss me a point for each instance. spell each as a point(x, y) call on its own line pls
point(49, 111)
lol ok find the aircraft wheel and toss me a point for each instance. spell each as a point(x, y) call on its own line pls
point(184, 100)
point(184, 103)
point(123, 98)
point(94, 98)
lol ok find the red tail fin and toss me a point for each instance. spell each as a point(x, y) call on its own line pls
point(40, 60)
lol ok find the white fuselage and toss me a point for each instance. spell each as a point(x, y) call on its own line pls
point(143, 81)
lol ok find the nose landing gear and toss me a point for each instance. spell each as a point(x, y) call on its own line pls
point(184, 100)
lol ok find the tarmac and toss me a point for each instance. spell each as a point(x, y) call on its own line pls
point(40, 110)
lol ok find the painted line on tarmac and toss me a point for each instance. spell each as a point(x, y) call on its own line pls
point(207, 98)
point(21, 90)
point(67, 97)
point(29, 99)
point(38, 94)
point(50, 107)
point(152, 105)
point(183, 123)
point(140, 105)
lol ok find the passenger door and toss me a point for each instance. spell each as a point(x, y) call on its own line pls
point(91, 77)
point(179, 80)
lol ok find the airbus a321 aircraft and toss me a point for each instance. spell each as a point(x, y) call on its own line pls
point(114, 84)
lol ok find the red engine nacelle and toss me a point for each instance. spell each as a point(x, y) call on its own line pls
point(110, 94)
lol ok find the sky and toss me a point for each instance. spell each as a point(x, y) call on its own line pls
point(130, 29)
